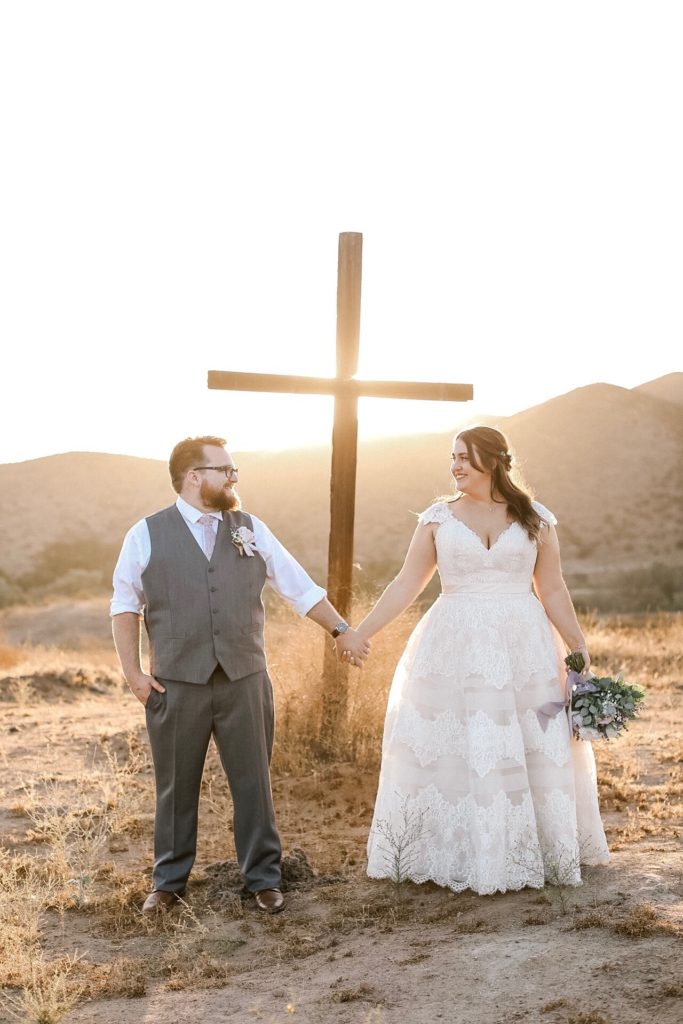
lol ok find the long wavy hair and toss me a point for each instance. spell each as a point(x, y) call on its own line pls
point(489, 452)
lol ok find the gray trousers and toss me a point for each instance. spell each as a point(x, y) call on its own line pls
point(180, 722)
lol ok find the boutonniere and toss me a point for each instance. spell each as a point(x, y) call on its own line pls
point(244, 540)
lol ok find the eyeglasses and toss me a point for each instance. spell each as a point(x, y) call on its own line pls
point(225, 470)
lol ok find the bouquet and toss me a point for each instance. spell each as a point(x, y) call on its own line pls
point(600, 706)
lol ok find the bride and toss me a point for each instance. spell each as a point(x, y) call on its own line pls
point(481, 786)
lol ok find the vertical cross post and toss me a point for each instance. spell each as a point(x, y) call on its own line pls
point(346, 390)
point(343, 475)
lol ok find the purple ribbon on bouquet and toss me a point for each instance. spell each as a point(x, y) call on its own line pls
point(551, 709)
point(580, 684)
point(576, 684)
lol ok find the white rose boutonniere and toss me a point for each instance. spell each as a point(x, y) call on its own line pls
point(244, 540)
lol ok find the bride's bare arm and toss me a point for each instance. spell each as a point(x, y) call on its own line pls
point(553, 594)
point(417, 570)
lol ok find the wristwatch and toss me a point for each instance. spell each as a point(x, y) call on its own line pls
point(341, 627)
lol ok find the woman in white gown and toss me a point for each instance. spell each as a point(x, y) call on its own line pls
point(481, 786)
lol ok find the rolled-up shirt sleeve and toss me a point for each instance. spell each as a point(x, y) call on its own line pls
point(284, 574)
point(133, 560)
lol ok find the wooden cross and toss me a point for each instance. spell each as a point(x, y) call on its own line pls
point(346, 391)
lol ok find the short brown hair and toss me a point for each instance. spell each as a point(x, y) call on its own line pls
point(186, 455)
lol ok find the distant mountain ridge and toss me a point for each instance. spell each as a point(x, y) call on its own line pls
point(670, 388)
point(607, 460)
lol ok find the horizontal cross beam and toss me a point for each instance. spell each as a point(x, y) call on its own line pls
point(226, 380)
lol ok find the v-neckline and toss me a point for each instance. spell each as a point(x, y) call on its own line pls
point(475, 534)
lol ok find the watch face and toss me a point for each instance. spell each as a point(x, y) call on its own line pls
point(340, 628)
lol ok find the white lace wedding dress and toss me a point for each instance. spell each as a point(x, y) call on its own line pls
point(480, 788)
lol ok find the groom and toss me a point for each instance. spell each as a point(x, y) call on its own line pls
point(195, 571)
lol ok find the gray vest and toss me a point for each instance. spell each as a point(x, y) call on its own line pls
point(200, 613)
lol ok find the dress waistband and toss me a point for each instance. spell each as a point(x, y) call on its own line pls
point(490, 590)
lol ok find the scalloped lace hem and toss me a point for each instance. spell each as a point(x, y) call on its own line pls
point(462, 887)
point(495, 847)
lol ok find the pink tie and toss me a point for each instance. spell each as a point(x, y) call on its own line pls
point(208, 535)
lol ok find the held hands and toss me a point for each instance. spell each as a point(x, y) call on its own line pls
point(352, 648)
point(142, 685)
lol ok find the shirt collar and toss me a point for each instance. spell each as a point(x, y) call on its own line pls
point(192, 514)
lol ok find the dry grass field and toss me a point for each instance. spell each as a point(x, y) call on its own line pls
point(76, 830)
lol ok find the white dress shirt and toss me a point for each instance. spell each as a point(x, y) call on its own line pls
point(283, 572)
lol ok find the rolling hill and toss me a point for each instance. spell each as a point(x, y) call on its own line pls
point(607, 460)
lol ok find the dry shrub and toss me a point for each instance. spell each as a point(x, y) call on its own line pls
point(27, 887)
point(642, 921)
point(638, 922)
point(126, 786)
point(18, 689)
point(537, 918)
point(295, 946)
point(82, 818)
point(364, 993)
point(78, 833)
point(49, 992)
point(126, 976)
point(592, 919)
point(118, 909)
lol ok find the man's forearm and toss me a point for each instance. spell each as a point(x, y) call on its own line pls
point(325, 615)
point(126, 632)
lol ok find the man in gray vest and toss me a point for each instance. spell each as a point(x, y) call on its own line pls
point(195, 571)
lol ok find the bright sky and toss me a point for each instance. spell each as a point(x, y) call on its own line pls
point(175, 177)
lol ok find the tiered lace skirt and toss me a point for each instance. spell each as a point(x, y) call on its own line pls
point(481, 786)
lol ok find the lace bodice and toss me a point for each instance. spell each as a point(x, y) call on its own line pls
point(466, 566)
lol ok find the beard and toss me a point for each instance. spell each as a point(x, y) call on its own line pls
point(218, 498)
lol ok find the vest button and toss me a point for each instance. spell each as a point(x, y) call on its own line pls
point(215, 611)
point(211, 569)
point(213, 589)
point(216, 632)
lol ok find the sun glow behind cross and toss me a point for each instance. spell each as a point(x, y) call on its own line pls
point(521, 221)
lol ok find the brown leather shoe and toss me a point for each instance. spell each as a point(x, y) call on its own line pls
point(159, 900)
point(270, 900)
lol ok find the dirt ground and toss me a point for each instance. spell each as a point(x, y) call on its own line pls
point(346, 950)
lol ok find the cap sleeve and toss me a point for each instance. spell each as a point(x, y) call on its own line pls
point(436, 513)
point(545, 513)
